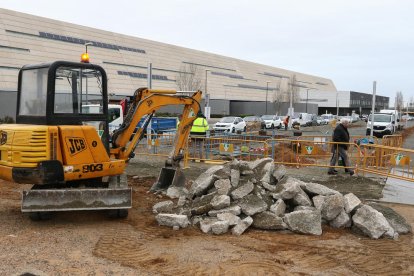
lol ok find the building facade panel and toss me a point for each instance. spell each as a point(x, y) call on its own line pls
point(32, 39)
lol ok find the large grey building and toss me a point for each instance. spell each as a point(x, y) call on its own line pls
point(234, 86)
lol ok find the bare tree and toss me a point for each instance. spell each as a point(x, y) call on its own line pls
point(294, 89)
point(189, 78)
point(399, 101)
point(277, 97)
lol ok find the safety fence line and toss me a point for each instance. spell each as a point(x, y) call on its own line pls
point(302, 151)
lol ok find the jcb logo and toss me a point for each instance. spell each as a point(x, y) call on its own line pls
point(75, 145)
point(3, 137)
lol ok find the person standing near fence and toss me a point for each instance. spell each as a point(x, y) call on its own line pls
point(198, 133)
point(286, 122)
point(340, 135)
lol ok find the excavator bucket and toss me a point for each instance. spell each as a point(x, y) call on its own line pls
point(169, 177)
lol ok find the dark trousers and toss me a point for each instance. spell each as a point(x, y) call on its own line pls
point(339, 152)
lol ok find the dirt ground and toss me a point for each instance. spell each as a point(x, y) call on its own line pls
point(89, 243)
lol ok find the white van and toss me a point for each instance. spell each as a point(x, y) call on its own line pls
point(384, 124)
point(115, 114)
point(397, 115)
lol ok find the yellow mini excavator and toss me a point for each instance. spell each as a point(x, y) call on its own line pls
point(63, 148)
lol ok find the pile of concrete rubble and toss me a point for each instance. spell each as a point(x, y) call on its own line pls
point(241, 194)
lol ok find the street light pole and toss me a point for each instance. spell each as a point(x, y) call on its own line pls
point(307, 97)
point(267, 90)
point(207, 99)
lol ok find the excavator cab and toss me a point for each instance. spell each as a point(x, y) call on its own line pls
point(60, 93)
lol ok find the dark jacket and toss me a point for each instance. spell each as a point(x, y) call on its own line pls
point(341, 134)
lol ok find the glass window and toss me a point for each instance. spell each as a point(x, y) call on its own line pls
point(78, 91)
point(33, 92)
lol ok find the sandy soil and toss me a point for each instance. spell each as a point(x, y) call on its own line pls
point(89, 243)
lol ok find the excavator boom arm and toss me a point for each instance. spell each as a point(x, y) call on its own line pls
point(146, 103)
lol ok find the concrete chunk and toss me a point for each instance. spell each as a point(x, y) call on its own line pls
point(279, 208)
point(252, 204)
point(235, 210)
point(279, 173)
point(223, 186)
point(351, 202)
point(235, 177)
point(229, 217)
point(176, 192)
point(289, 189)
point(163, 207)
point(371, 222)
point(343, 220)
point(220, 202)
point(220, 227)
point(172, 220)
point(205, 224)
point(242, 226)
point(268, 221)
point(204, 182)
point(242, 191)
point(318, 201)
point(266, 175)
point(332, 206)
point(400, 225)
point(305, 222)
point(302, 199)
point(317, 189)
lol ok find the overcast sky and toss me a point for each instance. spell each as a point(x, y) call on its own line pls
point(352, 42)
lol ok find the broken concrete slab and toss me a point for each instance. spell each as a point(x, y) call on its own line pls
point(252, 204)
point(235, 210)
point(258, 164)
point(242, 190)
point(220, 227)
point(229, 217)
point(279, 173)
point(397, 222)
point(220, 201)
point(269, 187)
point(202, 205)
point(351, 201)
point(163, 207)
point(371, 222)
point(343, 220)
point(242, 226)
point(318, 201)
point(176, 192)
point(301, 208)
point(279, 208)
point(268, 221)
point(205, 224)
point(302, 199)
point(223, 186)
point(204, 182)
point(332, 206)
point(289, 189)
point(314, 189)
point(234, 177)
point(172, 220)
point(266, 174)
point(305, 222)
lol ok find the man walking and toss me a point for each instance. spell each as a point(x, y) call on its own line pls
point(341, 135)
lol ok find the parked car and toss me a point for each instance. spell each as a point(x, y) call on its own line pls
point(320, 121)
point(230, 124)
point(254, 123)
point(272, 121)
point(328, 118)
